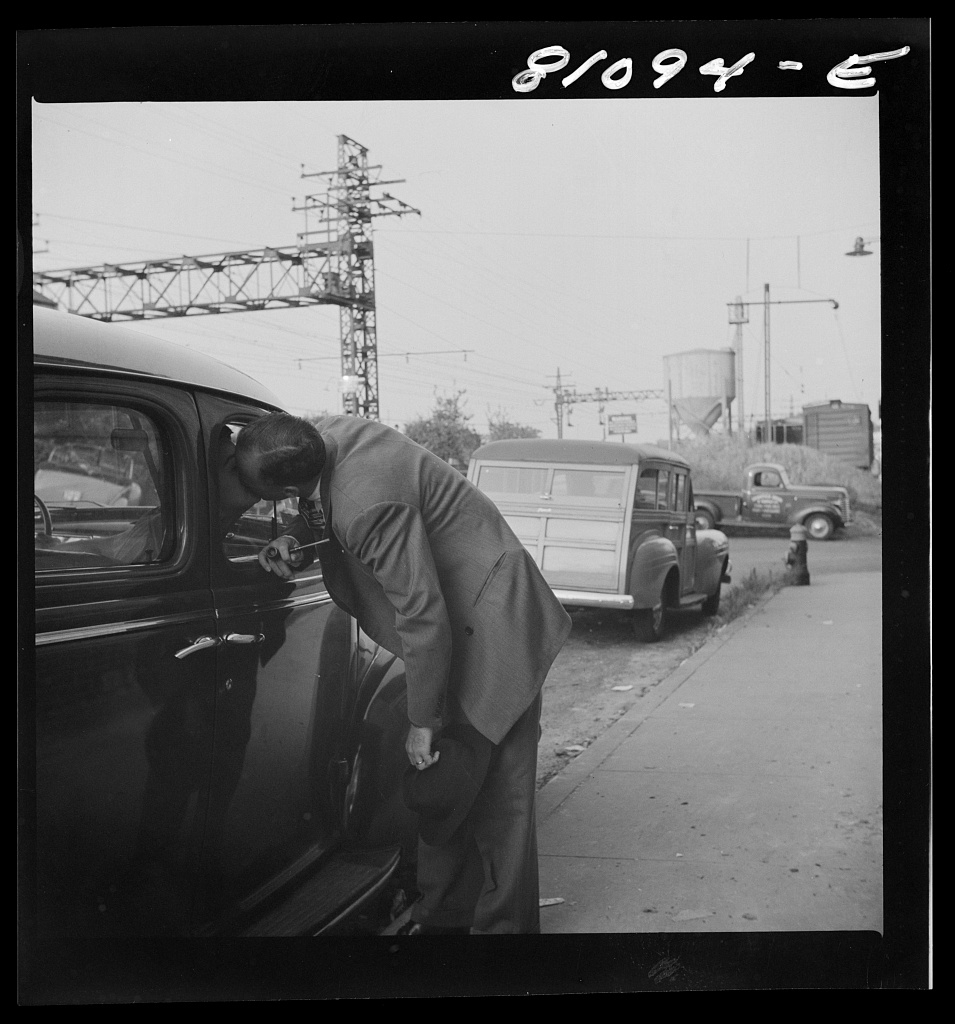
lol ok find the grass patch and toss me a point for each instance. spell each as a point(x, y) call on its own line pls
point(747, 592)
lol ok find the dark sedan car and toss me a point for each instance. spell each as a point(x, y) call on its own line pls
point(218, 751)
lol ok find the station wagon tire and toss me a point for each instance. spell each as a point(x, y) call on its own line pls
point(819, 526)
point(703, 519)
point(40, 506)
point(649, 624)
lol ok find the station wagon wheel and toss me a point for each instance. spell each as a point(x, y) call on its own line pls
point(819, 526)
point(704, 520)
point(41, 517)
point(649, 624)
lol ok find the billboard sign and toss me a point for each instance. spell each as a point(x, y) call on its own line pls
point(622, 423)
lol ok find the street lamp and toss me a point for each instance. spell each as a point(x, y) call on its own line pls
point(859, 247)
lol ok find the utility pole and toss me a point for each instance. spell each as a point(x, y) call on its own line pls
point(559, 405)
point(739, 316)
point(736, 312)
point(767, 415)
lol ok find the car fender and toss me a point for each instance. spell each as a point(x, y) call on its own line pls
point(712, 553)
point(374, 813)
point(653, 560)
point(828, 510)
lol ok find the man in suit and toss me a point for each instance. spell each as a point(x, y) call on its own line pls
point(433, 573)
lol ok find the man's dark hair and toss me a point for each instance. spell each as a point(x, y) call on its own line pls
point(291, 450)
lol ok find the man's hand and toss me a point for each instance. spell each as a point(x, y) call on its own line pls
point(281, 557)
point(418, 747)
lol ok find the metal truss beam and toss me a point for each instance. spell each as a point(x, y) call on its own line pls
point(231, 282)
point(338, 270)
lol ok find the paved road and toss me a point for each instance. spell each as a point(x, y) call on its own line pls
point(856, 554)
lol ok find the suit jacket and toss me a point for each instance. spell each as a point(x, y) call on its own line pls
point(430, 569)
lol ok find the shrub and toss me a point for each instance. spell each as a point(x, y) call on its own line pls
point(719, 462)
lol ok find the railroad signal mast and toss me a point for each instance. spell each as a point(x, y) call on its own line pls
point(566, 397)
point(338, 270)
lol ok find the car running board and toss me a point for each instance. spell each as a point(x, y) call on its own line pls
point(347, 880)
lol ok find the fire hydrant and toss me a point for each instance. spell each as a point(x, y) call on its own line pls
point(798, 570)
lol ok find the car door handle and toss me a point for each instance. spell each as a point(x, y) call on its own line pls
point(202, 644)
point(244, 638)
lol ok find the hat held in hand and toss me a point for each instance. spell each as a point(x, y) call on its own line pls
point(442, 794)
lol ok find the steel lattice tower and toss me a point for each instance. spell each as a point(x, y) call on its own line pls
point(348, 208)
point(338, 270)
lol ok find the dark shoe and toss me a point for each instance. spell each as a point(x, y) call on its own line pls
point(416, 928)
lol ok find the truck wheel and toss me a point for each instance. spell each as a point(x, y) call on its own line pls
point(649, 624)
point(704, 520)
point(819, 526)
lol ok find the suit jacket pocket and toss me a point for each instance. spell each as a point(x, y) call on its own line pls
point(495, 568)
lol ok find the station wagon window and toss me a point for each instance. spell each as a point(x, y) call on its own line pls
point(646, 493)
point(680, 505)
point(598, 484)
point(515, 480)
point(101, 486)
point(663, 490)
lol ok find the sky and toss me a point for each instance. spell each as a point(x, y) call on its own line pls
point(582, 237)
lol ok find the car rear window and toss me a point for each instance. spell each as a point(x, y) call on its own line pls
point(520, 481)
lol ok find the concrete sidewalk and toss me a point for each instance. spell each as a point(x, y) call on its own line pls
point(744, 794)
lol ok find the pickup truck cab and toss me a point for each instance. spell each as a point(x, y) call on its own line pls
point(609, 525)
point(768, 499)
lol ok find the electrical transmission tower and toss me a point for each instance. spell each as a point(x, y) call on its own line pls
point(337, 270)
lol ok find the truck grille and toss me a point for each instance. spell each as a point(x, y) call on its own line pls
point(843, 504)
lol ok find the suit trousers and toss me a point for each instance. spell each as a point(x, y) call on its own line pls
point(485, 877)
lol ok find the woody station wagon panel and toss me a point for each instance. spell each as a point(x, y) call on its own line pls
point(217, 750)
point(610, 525)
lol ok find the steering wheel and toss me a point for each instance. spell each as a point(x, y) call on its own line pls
point(44, 515)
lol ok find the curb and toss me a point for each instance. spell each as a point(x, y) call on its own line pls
point(556, 790)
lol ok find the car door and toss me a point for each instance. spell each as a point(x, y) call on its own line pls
point(682, 515)
point(123, 706)
point(284, 669)
point(768, 499)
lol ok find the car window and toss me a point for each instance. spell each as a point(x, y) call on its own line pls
point(516, 480)
point(680, 504)
point(646, 494)
point(601, 484)
point(101, 487)
point(768, 478)
point(246, 528)
point(663, 490)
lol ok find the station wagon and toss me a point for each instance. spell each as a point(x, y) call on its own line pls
point(610, 525)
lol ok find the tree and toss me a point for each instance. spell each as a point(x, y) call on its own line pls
point(446, 432)
point(500, 427)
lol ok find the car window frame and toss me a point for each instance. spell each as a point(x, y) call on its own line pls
point(167, 406)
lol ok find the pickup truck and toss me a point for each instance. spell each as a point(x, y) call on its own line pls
point(609, 525)
point(768, 499)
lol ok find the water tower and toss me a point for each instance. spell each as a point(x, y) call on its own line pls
point(700, 385)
